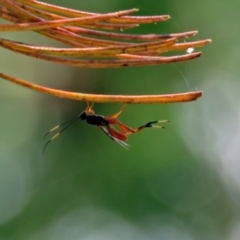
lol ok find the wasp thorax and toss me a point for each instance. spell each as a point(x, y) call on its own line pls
point(83, 116)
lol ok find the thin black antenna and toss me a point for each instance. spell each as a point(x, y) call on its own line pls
point(56, 127)
point(57, 134)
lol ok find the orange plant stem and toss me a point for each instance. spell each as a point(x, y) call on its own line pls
point(166, 98)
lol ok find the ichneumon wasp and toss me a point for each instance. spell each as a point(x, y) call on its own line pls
point(105, 123)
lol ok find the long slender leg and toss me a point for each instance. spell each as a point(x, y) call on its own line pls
point(91, 106)
point(148, 125)
point(89, 109)
point(126, 130)
point(116, 115)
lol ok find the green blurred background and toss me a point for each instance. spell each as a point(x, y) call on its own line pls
point(182, 183)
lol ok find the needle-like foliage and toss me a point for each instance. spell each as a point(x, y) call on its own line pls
point(94, 41)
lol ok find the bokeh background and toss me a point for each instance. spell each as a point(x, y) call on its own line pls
point(182, 183)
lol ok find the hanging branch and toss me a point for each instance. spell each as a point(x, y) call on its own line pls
point(85, 33)
point(167, 98)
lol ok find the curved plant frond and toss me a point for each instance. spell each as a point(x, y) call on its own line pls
point(93, 44)
point(167, 98)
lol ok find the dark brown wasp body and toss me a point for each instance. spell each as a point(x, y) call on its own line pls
point(105, 123)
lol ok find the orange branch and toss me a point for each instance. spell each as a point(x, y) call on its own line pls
point(166, 98)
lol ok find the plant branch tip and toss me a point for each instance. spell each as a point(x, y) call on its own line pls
point(191, 33)
point(165, 17)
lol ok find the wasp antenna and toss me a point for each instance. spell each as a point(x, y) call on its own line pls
point(51, 130)
point(49, 142)
point(56, 127)
point(57, 134)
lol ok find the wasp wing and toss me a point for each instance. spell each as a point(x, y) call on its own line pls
point(121, 143)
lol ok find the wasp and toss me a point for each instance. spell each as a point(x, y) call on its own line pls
point(105, 123)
